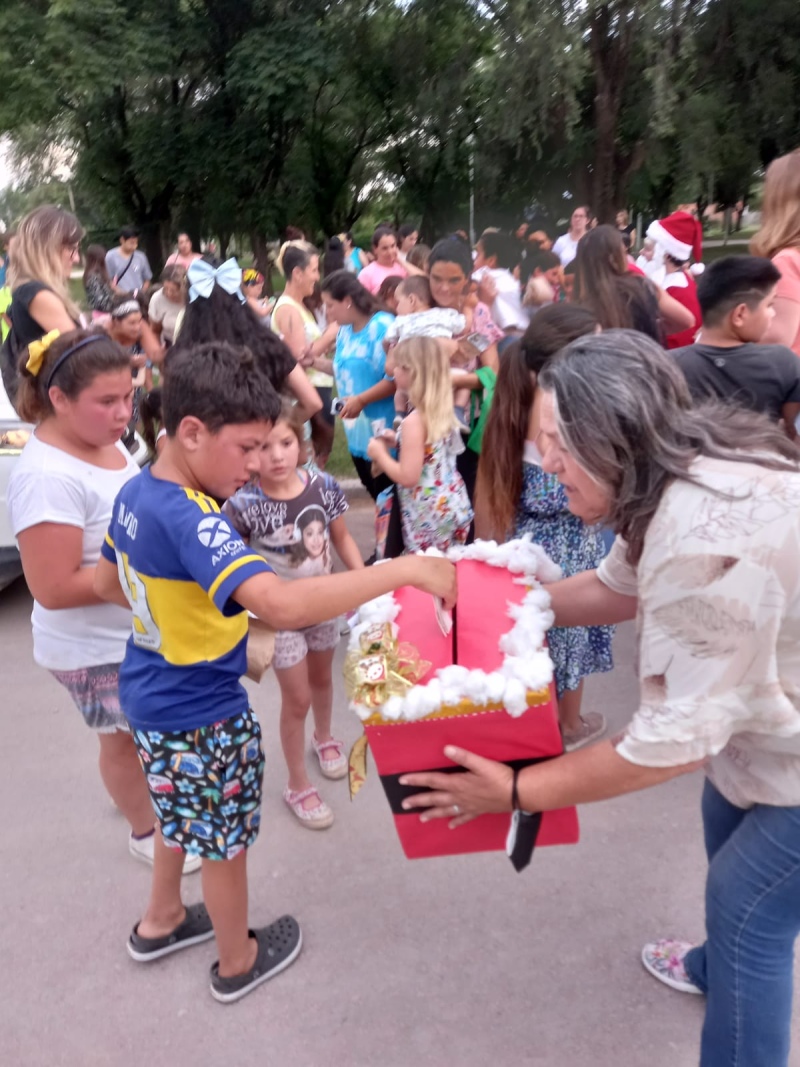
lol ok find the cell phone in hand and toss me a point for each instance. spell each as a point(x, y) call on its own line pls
point(337, 405)
point(478, 341)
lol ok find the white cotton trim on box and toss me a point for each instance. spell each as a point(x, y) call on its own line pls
point(526, 664)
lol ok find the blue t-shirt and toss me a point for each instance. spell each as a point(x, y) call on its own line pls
point(179, 562)
point(360, 363)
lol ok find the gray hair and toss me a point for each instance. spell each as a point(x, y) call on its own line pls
point(625, 413)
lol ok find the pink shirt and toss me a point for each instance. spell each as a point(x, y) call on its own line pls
point(788, 263)
point(176, 259)
point(374, 275)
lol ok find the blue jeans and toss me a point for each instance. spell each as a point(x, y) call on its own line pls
point(752, 919)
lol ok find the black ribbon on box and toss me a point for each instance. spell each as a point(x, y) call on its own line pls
point(524, 827)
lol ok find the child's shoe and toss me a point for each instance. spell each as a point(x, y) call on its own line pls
point(331, 767)
point(461, 418)
point(196, 927)
point(141, 848)
point(318, 817)
point(279, 945)
point(664, 960)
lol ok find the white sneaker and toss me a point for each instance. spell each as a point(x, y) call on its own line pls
point(142, 849)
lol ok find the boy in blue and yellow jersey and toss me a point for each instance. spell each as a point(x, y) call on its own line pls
point(190, 581)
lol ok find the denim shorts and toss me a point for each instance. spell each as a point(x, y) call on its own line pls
point(205, 785)
point(95, 691)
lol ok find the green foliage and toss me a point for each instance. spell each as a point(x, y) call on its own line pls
point(239, 116)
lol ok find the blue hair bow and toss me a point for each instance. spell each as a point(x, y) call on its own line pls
point(203, 277)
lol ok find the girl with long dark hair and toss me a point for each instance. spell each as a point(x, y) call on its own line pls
point(515, 496)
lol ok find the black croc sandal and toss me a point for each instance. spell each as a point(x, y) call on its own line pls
point(196, 927)
point(278, 945)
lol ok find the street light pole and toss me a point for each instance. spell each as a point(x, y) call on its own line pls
point(471, 146)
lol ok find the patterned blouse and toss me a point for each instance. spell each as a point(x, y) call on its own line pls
point(99, 295)
point(719, 631)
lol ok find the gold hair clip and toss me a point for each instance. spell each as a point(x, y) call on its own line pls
point(36, 352)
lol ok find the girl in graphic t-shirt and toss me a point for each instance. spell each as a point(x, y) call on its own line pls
point(291, 517)
point(76, 387)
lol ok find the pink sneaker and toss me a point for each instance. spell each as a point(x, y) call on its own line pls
point(664, 960)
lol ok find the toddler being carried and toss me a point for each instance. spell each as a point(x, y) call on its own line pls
point(417, 318)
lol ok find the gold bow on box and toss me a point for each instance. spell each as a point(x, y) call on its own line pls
point(381, 667)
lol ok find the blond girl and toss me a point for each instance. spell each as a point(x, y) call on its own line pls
point(434, 505)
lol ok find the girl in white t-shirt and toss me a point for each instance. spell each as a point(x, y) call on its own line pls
point(76, 387)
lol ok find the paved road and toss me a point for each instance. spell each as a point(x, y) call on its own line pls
point(444, 962)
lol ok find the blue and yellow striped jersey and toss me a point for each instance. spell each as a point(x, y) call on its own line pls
point(179, 562)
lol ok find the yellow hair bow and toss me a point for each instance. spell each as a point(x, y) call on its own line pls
point(37, 349)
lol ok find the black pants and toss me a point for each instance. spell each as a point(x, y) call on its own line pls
point(372, 484)
point(467, 466)
point(395, 545)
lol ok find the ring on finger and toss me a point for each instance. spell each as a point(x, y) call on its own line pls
point(456, 809)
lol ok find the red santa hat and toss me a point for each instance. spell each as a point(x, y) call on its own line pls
point(680, 235)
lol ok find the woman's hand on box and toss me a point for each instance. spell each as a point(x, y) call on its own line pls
point(484, 787)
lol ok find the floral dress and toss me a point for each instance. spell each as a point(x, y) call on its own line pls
point(436, 513)
point(543, 513)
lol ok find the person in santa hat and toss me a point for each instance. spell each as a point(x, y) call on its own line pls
point(679, 240)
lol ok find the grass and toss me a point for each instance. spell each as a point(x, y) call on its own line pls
point(340, 465)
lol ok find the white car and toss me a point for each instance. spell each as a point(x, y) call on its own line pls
point(13, 435)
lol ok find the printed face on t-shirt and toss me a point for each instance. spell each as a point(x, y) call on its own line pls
point(314, 538)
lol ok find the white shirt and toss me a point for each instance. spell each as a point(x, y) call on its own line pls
point(48, 485)
point(719, 617)
point(566, 249)
point(165, 311)
point(507, 309)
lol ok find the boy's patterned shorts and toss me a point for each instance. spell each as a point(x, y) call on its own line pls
point(205, 785)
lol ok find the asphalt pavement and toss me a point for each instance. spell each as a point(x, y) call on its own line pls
point(437, 962)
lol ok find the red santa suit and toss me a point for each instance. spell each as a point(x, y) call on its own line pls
point(680, 236)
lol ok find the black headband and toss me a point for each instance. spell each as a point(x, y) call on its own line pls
point(70, 351)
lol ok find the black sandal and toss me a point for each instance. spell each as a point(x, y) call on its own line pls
point(279, 945)
point(196, 927)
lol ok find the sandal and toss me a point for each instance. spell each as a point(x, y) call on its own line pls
point(319, 817)
point(279, 945)
point(331, 768)
point(196, 927)
point(593, 725)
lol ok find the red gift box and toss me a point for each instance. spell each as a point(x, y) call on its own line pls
point(401, 747)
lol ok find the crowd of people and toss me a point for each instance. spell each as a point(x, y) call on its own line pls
point(557, 389)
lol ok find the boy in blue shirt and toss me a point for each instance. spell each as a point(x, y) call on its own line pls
point(190, 581)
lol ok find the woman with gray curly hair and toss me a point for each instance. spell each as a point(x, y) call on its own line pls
point(706, 505)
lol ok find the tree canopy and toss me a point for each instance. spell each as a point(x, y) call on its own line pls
point(240, 116)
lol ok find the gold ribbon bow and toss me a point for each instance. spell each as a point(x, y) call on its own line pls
point(379, 668)
point(37, 350)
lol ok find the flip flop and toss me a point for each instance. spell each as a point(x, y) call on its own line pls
point(196, 927)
